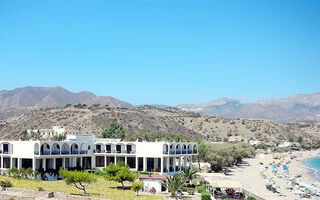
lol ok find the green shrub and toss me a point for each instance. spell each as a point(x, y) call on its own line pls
point(190, 191)
point(205, 195)
point(201, 188)
point(5, 184)
point(21, 173)
point(251, 198)
point(136, 186)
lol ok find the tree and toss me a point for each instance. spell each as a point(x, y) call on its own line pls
point(119, 173)
point(96, 105)
point(202, 152)
point(189, 173)
point(78, 179)
point(136, 186)
point(115, 130)
point(174, 183)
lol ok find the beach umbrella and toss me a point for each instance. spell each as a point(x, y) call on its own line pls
point(274, 167)
point(285, 168)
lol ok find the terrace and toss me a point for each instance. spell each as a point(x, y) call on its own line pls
point(178, 149)
point(61, 149)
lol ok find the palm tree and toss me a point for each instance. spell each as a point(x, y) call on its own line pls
point(174, 183)
point(189, 173)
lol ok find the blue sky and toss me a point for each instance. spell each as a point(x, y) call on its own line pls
point(165, 52)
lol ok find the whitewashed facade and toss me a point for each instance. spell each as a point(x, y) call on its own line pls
point(88, 152)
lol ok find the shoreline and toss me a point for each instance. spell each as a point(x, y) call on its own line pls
point(253, 177)
point(299, 165)
point(313, 171)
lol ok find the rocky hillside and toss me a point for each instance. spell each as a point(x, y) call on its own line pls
point(296, 107)
point(94, 120)
point(24, 98)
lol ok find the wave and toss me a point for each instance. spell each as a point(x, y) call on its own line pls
point(309, 164)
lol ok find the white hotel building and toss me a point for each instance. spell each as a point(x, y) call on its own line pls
point(89, 152)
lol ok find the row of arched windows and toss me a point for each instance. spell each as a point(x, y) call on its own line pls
point(180, 148)
point(57, 149)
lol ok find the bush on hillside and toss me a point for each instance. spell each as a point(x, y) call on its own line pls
point(201, 188)
point(205, 195)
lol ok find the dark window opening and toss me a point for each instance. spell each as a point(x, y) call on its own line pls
point(131, 161)
point(99, 161)
point(26, 163)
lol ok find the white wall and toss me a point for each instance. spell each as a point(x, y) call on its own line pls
point(149, 149)
point(152, 183)
point(23, 149)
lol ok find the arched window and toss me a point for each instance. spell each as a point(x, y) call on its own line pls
point(189, 148)
point(55, 149)
point(65, 149)
point(45, 149)
point(195, 149)
point(178, 149)
point(74, 149)
point(172, 149)
point(184, 149)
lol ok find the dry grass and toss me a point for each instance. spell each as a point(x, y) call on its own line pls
point(100, 189)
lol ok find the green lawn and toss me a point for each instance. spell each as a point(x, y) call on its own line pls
point(100, 189)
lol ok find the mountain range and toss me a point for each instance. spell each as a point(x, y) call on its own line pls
point(22, 100)
point(42, 107)
point(92, 120)
point(53, 96)
point(293, 108)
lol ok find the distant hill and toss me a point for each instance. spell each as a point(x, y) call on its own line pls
point(296, 107)
point(21, 100)
point(94, 120)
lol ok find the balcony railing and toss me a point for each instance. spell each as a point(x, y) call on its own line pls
point(83, 152)
point(165, 152)
point(98, 151)
point(184, 151)
point(172, 152)
point(55, 152)
point(65, 152)
point(178, 152)
point(189, 151)
point(75, 152)
point(45, 153)
point(36, 153)
point(5, 152)
point(114, 151)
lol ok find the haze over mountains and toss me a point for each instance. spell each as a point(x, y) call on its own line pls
point(53, 96)
point(295, 107)
point(22, 100)
point(42, 107)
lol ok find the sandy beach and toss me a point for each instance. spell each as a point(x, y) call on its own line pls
point(252, 177)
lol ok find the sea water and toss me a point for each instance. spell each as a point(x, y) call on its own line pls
point(314, 164)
